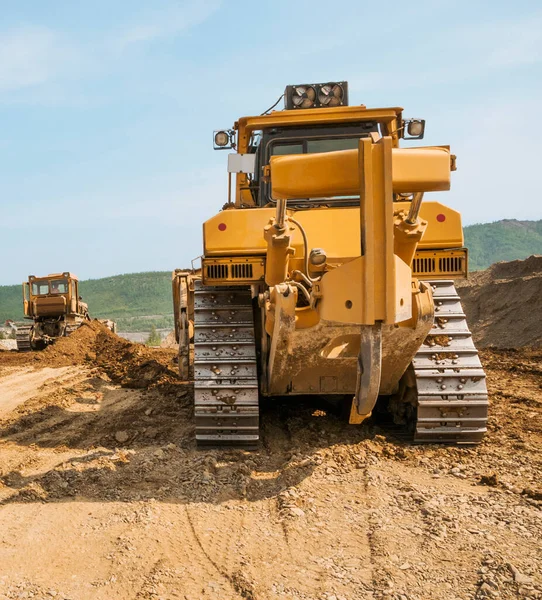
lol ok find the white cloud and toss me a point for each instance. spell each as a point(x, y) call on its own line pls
point(165, 22)
point(28, 56)
point(31, 56)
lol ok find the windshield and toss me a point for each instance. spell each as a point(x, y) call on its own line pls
point(310, 140)
point(282, 147)
point(53, 286)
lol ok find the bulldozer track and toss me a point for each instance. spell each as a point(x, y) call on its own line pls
point(225, 369)
point(451, 383)
point(23, 338)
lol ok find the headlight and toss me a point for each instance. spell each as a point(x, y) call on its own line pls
point(415, 129)
point(317, 257)
point(222, 138)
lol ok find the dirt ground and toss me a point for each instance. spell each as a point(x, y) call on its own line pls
point(104, 496)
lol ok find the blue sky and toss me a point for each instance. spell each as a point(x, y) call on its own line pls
point(107, 111)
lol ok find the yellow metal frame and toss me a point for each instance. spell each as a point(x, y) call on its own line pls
point(390, 117)
point(383, 293)
point(336, 229)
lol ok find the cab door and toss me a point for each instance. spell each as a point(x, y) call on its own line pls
point(74, 302)
point(26, 298)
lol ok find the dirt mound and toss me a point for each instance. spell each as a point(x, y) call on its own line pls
point(74, 349)
point(503, 303)
point(528, 267)
point(133, 365)
point(93, 344)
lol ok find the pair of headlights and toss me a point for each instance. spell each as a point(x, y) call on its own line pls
point(226, 138)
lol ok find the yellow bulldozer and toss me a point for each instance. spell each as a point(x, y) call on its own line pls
point(329, 273)
point(55, 307)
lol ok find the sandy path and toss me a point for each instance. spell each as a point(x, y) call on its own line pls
point(19, 387)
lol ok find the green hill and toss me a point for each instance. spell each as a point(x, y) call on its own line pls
point(137, 301)
point(509, 239)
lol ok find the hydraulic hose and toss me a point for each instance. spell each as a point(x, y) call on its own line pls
point(303, 276)
point(301, 287)
point(306, 275)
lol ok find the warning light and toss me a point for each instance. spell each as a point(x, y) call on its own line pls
point(222, 226)
point(441, 218)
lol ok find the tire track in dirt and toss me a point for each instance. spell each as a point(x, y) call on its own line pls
point(181, 566)
point(223, 546)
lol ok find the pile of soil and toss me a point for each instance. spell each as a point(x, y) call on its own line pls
point(75, 349)
point(67, 351)
point(134, 365)
point(128, 364)
point(503, 303)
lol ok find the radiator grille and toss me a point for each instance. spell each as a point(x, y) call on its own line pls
point(451, 264)
point(220, 271)
point(241, 271)
point(217, 271)
point(440, 264)
point(424, 265)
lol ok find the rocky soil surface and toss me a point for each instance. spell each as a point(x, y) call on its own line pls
point(104, 496)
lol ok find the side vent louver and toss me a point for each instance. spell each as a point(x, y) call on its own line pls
point(424, 265)
point(440, 264)
point(241, 271)
point(450, 264)
point(217, 271)
point(224, 271)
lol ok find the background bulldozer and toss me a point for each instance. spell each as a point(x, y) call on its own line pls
point(55, 307)
point(329, 274)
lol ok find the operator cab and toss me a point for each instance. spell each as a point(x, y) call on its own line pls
point(311, 133)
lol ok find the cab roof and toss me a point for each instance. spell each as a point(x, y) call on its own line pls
point(314, 116)
point(65, 275)
point(339, 114)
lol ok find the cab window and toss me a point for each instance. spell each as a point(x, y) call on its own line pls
point(39, 288)
point(279, 149)
point(59, 286)
point(316, 146)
